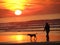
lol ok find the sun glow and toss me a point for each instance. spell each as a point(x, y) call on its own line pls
point(18, 12)
point(15, 4)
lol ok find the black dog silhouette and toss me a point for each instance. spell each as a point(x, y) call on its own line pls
point(32, 35)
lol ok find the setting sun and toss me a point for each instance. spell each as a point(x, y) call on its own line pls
point(18, 12)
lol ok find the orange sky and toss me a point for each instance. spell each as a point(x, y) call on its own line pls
point(31, 10)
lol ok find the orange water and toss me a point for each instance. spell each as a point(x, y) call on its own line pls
point(21, 37)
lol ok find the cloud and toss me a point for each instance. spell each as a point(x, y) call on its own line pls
point(36, 7)
point(5, 13)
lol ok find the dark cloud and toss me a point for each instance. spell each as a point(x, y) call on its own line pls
point(50, 8)
point(5, 13)
point(55, 0)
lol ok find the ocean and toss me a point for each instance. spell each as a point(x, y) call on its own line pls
point(17, 32)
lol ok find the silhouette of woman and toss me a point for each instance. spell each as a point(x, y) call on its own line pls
point(47, 29)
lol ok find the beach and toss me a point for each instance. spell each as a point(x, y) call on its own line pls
point(32, 43)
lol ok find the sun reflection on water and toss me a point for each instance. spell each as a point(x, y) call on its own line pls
point(18, 37)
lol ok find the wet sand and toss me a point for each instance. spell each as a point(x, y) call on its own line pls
point(32, 43)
